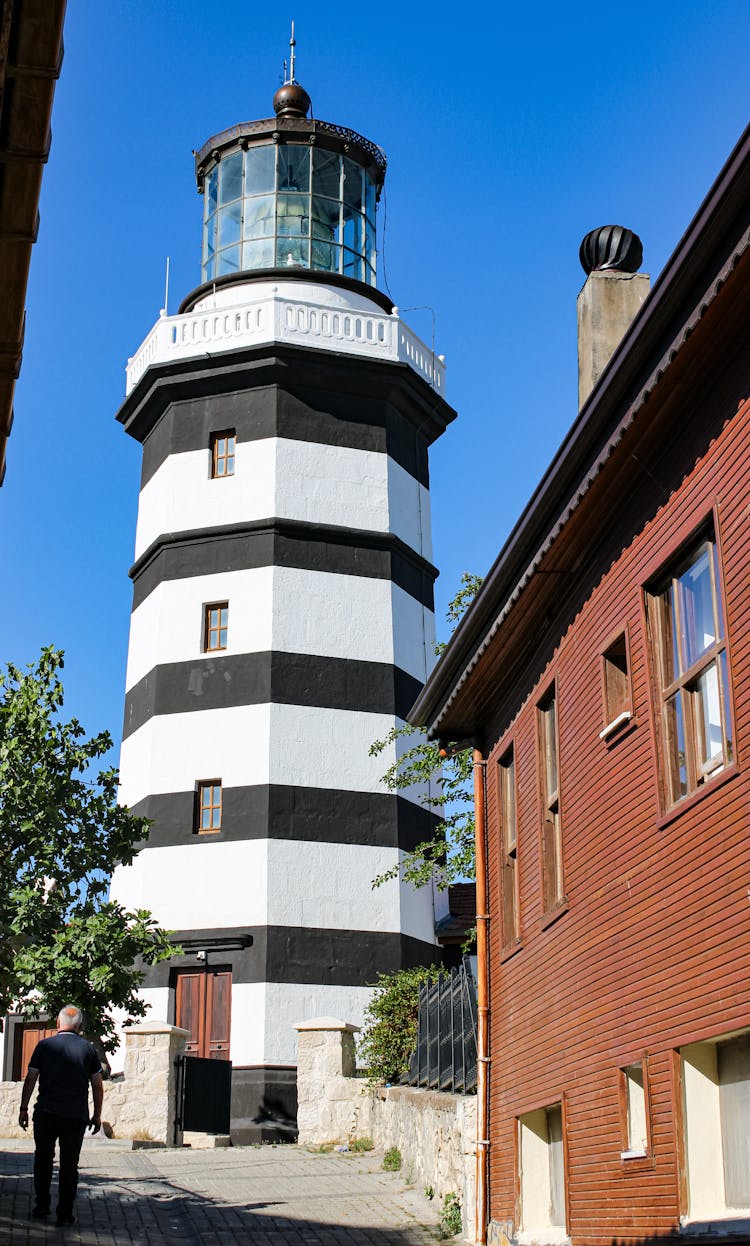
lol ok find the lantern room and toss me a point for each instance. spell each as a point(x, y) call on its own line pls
point(290, 192)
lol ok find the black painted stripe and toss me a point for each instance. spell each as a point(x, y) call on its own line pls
point(324, 380)
point(255, 414)
point(278, 811)
point(297, 954)
point(283, 543)
point(273, 677)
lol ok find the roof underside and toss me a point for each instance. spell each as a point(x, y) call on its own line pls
point(30, 59)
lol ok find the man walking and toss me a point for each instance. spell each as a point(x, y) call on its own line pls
point(64, 1065)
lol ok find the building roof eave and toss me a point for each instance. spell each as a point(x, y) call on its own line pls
point(705, 256)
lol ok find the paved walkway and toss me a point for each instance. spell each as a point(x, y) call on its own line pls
point(245, 1196)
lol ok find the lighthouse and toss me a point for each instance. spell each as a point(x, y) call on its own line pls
point(282, 612)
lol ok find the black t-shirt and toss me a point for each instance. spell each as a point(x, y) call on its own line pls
point(64, 1063)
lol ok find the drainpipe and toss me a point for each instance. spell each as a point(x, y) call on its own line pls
point(483, 1057)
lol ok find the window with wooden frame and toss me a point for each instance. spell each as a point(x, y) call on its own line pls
point(222, 453)
point(215, 626)
point(688, 648)
point(618, 707)
point(208, 807)
point(506, 783)
point(635, 1110)
point(549, 782)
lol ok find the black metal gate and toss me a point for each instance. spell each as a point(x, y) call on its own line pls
point(204, 1094)
point(446, 1053)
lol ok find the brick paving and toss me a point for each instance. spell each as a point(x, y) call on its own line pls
point(244, 1196)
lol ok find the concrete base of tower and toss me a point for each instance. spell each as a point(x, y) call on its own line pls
point(264, 1104)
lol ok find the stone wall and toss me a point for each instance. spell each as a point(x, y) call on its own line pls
point(140, 1104)
point(435, 1132)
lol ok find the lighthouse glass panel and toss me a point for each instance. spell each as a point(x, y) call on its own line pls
point(289, 205)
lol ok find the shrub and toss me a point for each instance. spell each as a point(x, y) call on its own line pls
point(392, 1159)
point(361, 1144)
point(450, 1216)
point(389, 1035)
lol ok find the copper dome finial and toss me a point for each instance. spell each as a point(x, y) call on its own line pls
point(291, 99)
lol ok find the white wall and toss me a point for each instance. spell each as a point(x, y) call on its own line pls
point(700, 1080)
point(273, 882)
point(170, 752)
point(187, 887)
point(181, 493)
point(168, 624)
point(288, 479)
point(289, 1002)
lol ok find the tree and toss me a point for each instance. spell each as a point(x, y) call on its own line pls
point(389, 1034)
point(448, 855)
point(62, 834)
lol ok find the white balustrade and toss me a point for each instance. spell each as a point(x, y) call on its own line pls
point(301, 322)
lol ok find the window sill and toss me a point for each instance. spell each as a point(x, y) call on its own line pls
point(617, 726)
point(722, 1224)
point(510, 950)
point(548, 1236)
point(688, 802)
point(551, 916)
point(637, 1161)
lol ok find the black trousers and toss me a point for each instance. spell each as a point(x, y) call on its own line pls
point(48, 1128)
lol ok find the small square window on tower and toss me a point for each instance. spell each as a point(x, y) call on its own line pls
point(215, 626)
point(208, 806)
point(222, 453)
point(618, 708)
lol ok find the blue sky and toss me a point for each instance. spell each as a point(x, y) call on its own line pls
point(510, 132)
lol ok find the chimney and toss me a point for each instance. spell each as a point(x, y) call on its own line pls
point(609, 300)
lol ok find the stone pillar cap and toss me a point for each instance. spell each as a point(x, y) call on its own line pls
point(326, 1023)
point(154, 1027)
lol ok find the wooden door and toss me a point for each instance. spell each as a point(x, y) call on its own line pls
point(27, 1035)
point(203, 1006)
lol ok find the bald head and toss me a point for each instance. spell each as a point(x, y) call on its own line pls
point(70, 1018)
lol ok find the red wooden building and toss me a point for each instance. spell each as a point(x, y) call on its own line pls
point(604, 673)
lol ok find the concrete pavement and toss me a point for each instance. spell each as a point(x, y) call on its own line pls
point(245, 1196)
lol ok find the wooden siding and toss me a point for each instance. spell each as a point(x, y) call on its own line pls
point(653, 951)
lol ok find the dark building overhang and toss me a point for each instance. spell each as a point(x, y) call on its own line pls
point(519, 594)
point(31, 50)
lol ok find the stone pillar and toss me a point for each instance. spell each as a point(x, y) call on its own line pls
point(327, 1093)
point(151, 1050)
point(606, 305)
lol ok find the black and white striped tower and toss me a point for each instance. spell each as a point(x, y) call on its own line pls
point(282, 614)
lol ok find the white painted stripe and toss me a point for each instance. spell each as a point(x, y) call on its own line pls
point(171, 752)
point(295, 745)
point(168, 624)
point(287, 609)
point(190, 889)
point(159, 1001)
point(260, 882)
point(181, 494)
point(286, 479)
point(287, 1002)
point(263, 1016)
point(247, 1039)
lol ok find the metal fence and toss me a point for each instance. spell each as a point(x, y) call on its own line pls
point(446, 1053)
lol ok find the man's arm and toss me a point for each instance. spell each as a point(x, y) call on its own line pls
point(26, 1093)
point(97, 1091)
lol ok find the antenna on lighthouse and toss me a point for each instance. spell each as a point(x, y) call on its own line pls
point(292, 46)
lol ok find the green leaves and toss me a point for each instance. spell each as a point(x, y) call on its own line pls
point(61, 836)
point(389, 1035)
point(442, 785)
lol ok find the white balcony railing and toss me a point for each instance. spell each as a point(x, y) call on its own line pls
point(275, 318)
